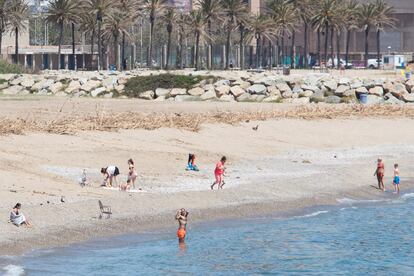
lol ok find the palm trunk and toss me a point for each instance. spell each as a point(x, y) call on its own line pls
point(283, 48)
point(180, 51)
point(73, 46)
point(1, 41)
point(378, 49)
point(332, 47)
point(257, 52)
point(348, 40)
point(305, 39)
point(123, 52)
point(116, 51)
point(168, 49)
point(263, 53)
point(319, 46)
point(210, 46)
point(92, 47)
point(366, 46)
point(16, 50)
point(149, 59)
point(60, 44)
point(241, 47)
point(228, 45)
point(338, 49)
point(292, 50)
point(197, 51)
point(326, 44)
point(270, 55)
point(100, 54)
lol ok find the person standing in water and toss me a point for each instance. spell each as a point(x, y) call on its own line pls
point(379, 172)
point(181, 217)
point(219, 172)
point(396, 179)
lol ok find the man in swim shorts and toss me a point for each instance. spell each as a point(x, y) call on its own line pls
point(379, 172)
point(181, 216)
point(396, 179)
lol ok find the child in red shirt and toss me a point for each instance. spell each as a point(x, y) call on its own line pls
point(218, 173)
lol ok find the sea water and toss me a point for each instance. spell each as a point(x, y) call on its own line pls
point(353, 238)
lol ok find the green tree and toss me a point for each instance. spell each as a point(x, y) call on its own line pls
point(350, 23)
point(18, 20)
point(235, 13)
point(154, 8)
point(170, 19)
point(198, 24)
point(367, 16)
point(63, 12)
point(383, 20)
point(4, 18)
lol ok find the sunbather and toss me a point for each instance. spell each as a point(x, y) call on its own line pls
point(17, 218)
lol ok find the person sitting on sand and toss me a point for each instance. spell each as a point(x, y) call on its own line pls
point(191, 166)
point(379, 172)
point(396, 179)
point(17, 218)
point(132, 176)
point(182, 217)
point(219, 173)
point(110, 173)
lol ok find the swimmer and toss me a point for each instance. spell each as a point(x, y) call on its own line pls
point(379, 172)
point(110, 174)
point(396, 179)
point(181, 216)
point(219, 173)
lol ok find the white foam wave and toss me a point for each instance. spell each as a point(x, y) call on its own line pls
point(13, 270)
point(347, 208)
point(351, 201)
point(314, 214)
point(409, 195)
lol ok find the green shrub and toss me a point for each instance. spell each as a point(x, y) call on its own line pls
point(8, 68)
point(139, 84)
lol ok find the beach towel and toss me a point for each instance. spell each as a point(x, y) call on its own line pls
point(17, 219)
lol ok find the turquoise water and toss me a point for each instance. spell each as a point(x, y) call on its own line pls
point(354, 238)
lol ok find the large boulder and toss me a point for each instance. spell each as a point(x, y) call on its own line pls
point(373, 99)
point(147, 95)
point(187, 98)
point(178, 91)
point(90, 85)
point(98, 92)
point(56, 87)
point(287, 94)
point(349, 93)
point(162, 92)
point(343, 81)
point(272, 99)
point(196, 91)
point(332, 85)
point(246, 97)
point(267, 81)
point(43, 84)
point(272, 90)
point(361, 90)
point(283, 87)
point(313, 88)
point(306, 93)
point(341, 90)
point(257, 89)
point(333, 99)
point(243, 84)
point(18, 80)
point(390, 99)
point(318, 97)
point(227, 98)
point(408, 98)
point(13, 90)
point(237, 91)
point(409, 84)
point(27, 83)
point(209, 95)
point(74, 86)
point(222, 82)
point(297, 90)
point(222, 90)
point(355, 83)
point(377, 90)
point(303, 100)
point(110, 82)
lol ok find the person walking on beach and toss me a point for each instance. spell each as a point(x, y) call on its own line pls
point(396, 179)
point(110, 173)
point(379, 172)
point(182, 218)
point(17, 217)
point(219, 172)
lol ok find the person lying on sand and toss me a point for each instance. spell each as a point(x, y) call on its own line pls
point(379, 172)
point(17, 218)
point(219, 173)
point(396, 179)
point(182, 217)
point(110, 174)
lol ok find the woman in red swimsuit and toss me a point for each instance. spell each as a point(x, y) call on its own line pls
point(379, 172)
point(219, 172)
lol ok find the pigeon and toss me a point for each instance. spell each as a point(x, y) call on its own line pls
point(255, 128)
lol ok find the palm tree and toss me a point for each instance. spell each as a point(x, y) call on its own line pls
point(235, 13)
point(261, 27)
point(197, 23)
point(283, 14)
point(100, 9)
point(18, 14)
point(324, 18)
point(170, 19)
point(88, 27)
point(350, 23)
point(367, 15)
point(154, 8)
point(383, 20)
point(4, 18)
point(129, 10)
point(212, 12)
point(62, 12)
point(182, 27)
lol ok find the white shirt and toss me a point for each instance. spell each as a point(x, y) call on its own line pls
point(110, 170)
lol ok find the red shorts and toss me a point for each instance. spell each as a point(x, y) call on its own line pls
point(181, 233)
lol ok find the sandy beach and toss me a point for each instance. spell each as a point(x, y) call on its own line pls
point(286, 165)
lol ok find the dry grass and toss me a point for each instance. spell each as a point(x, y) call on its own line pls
point(107, 121)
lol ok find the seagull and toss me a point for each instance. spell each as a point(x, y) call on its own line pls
point(255, 128)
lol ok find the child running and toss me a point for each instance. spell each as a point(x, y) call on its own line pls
point(219, 172)
point(396, 181)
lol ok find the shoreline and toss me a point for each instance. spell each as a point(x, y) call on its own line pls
point(163, 223)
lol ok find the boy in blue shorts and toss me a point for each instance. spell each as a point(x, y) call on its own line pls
point(396, 181)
